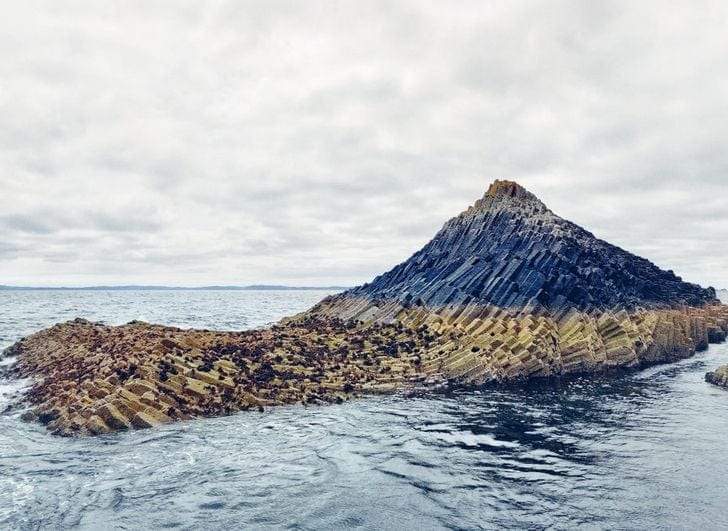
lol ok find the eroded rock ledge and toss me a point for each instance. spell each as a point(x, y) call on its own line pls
point(92, 378)
point(491, 345)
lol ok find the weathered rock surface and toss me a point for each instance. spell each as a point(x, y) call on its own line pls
point(723, 295)
point(506, 290)
point(532, 294)
point(508, 251)
point(94, 379)
point(718, 376)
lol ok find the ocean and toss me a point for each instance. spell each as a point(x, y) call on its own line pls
point(642, 449)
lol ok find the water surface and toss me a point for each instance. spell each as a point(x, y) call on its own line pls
point(640, 450)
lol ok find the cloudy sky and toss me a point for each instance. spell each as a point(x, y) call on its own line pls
point(321, 143)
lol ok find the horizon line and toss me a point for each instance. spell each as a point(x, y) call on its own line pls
point(152, 287)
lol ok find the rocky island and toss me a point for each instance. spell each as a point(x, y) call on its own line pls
point(507, 290)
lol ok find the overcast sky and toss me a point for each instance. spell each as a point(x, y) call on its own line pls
point(319, 143)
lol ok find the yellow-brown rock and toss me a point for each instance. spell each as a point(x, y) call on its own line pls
point(94, 379)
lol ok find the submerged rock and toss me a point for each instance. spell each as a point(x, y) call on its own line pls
point(506, 290)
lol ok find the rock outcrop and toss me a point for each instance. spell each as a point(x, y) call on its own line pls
point(506, 290)
point(93, 378)
point(535, 295)
point(508, 251)
point(718, 377)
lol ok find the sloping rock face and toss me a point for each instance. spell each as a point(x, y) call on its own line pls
point(511, 252)
point(535, 295)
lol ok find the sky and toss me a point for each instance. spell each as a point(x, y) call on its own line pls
point(321, 143)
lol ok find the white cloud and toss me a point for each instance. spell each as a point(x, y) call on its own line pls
point(323, 142)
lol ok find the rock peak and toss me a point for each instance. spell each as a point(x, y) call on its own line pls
point(509, 251)
point(507, 193)
point(503, 188)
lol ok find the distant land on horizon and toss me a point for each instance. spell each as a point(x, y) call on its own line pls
point(252, 287)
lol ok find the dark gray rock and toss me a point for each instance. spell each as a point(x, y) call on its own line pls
point(510, 251)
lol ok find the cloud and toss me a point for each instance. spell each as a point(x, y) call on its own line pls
point(318, 142)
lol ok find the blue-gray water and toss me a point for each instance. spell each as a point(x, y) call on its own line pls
point(641, 450)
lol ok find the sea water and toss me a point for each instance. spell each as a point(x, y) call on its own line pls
point(646, 449)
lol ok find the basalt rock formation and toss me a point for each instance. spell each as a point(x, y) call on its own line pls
point(534, 295)
point(506, 290)
point(91, 378)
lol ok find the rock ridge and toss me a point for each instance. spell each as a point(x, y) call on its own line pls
point(92, 378)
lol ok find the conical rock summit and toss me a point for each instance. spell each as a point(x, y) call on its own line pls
point(534, 294)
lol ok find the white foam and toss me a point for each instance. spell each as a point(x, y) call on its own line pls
point(468, 438)
point(7, 361)
point(10, 388)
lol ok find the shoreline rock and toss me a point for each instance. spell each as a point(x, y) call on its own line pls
point(718, 377)
point(92, 378)
point(519, 347)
